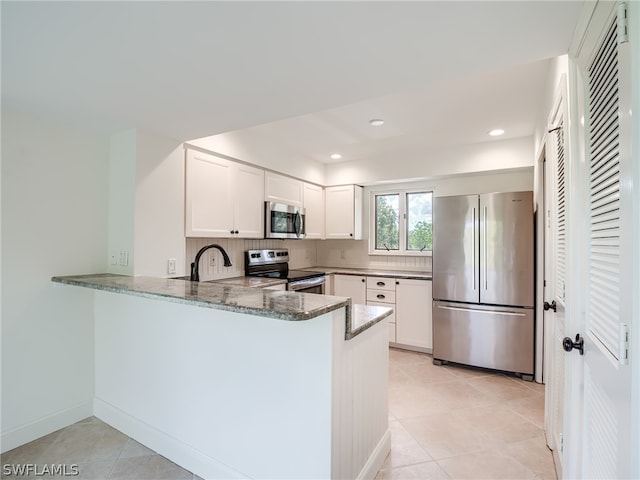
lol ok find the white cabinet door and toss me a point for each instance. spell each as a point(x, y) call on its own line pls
point(223, 199)
point(249, 211)
point(391, 319)
point(283, 189)
point(314, 210)
point(413, 313)
point(209, 199)
point(343, 212)
point(353, 286)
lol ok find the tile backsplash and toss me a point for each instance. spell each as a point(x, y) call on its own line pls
point(302, 254)
point(355, 254)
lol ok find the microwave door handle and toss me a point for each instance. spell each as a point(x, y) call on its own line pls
point(298, 224)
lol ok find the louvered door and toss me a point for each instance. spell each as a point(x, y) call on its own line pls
point(602, 399)
point(555, 278)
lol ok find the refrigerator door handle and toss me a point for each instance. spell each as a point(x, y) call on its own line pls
point(484, 261)
point(473, 247)
point(494, 312)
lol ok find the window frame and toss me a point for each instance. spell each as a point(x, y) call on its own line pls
point(402, 221)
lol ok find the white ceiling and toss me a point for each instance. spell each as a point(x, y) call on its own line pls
point(304, 77)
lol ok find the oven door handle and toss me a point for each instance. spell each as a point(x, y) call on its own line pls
point(306, 283)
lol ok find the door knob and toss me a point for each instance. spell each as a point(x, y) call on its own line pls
point(569, 344)
point(550, 306)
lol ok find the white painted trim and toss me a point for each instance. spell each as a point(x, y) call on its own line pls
point(44, 426)
point(539, 196)
point(413, 348)
point(377, 458)
point(633, 11)
point(160, 442)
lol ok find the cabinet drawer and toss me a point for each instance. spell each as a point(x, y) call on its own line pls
point(381, 283)
point(384, 296)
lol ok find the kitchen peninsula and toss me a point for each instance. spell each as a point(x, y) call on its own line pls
point(238, 382)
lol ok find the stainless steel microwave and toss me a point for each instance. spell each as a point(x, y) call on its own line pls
point(283, 221)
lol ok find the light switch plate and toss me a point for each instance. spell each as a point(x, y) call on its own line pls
point(171, 265)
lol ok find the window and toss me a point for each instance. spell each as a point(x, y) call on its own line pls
point(401, 222)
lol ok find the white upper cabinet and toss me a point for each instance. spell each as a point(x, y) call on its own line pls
point(343, 212)
point(283, 189)
point(314, 210)
point(223, 198)
point(249, 207)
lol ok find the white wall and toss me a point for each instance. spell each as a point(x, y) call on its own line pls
point(159, 205)
point(146, 203)
point(122, 163)
point(54, 222)
point(558, 67)
point(267, 154)
point(481, 157)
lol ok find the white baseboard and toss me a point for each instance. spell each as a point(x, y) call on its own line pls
point(44, 426)
point(379, 454)
point(166, 445)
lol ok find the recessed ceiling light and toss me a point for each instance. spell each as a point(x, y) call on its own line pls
point(336, 156)
point(496, 133)
point(376, 122)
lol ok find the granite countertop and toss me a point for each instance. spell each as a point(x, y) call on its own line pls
point(375, 272)
point(363, 316)
point(253, 282)
point(279, 304)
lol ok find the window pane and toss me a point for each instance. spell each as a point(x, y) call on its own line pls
point(387, 222)
point(419, 221)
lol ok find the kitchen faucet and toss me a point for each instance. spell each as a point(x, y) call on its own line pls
point(195, 276)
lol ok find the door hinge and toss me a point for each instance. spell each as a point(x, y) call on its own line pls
point(623, 23)
point(561, 446)
point(623, 358)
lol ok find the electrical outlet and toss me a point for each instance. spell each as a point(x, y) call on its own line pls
point(171, 265)
point(113, 259)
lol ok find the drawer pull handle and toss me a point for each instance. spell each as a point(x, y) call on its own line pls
point(381, 284)
point(380, 295)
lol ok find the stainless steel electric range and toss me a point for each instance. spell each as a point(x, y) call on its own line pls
point(274, 263)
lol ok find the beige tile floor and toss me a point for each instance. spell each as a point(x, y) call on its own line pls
point(99, 451)
point(446, 422)
point(463, 423)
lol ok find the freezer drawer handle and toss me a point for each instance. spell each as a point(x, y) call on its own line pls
point(550, 306)
point(569, 344)
point(495, 312)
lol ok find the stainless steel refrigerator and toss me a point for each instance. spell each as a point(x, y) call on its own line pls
point(483, 281)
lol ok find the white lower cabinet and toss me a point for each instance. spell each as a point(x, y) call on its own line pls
point(410, 322)
point(413, 314)
point(381, 291)
point(354, 286)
